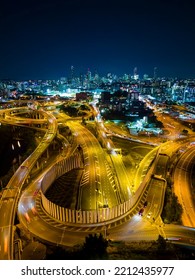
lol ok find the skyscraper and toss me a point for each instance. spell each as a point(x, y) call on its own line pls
point(72, 74)
point(155, 73)
point(135, 75)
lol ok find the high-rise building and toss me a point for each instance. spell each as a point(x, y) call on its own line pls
point(72, 73)
point(135, 75)
point(96, 77)
point(155, 73)
point(88, 75)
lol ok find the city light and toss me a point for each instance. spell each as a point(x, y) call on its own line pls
point(131, 144)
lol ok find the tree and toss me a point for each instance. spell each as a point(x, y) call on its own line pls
point(161, 243)
point(95, 247)
point(172, 211)
point(177, 208)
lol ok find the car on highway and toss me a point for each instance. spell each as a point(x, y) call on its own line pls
point(35, 192)
point(145, 204)
point(141, 211)
point(149, 215)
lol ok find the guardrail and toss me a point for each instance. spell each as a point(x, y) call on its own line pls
point(19, 177)
point(81, 217)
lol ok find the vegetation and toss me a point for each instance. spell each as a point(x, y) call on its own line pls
point(75, 109)
point(97, 248)
point(161, 243)
point(172, 210)
point(94, 248)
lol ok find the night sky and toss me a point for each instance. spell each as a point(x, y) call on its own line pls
point(41, 39)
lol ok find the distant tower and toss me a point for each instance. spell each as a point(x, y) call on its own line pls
point(88, 74)
point(135, 75)
point(96, 76)
point(72, 73)
point(81, 79)
point(155, 73)
point(135, 71)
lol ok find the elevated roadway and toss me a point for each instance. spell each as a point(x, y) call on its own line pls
point(147, 227)
point(11, 194)
point(65, 235)
point(183, 188)
point(96, 190)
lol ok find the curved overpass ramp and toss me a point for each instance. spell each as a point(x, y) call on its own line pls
point(9, 199)
point(183, 188)
point(60, 235)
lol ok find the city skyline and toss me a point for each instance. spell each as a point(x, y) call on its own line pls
point(43, 39)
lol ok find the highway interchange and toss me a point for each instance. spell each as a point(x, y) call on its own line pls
point(129, 227)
